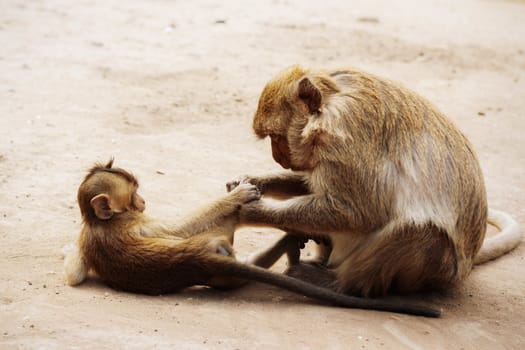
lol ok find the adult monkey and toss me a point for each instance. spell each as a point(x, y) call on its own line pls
point(392, 184)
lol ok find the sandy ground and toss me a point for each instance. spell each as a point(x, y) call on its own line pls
point(169, 88)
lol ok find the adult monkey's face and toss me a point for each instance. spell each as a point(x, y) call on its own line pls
point(281, 151)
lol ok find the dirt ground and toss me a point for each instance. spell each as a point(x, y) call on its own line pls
point(169, 88)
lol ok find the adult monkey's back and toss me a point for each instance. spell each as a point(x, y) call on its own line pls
point(380, 172)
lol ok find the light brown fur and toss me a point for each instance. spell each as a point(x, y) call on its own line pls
point(133, 252)
point(380, 172)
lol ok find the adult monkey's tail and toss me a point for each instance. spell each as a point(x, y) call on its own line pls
point(507, 239)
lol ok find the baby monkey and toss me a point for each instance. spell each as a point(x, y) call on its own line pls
point(130, 251)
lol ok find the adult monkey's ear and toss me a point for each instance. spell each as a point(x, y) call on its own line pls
point(100, 203)
point(310, 95)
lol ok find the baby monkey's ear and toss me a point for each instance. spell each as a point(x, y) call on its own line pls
point(102, 207)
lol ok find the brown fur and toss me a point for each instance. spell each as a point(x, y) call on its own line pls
point(133, 252)
point(393, 183)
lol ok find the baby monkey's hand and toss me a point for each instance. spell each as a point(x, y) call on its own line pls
point(244, 193)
